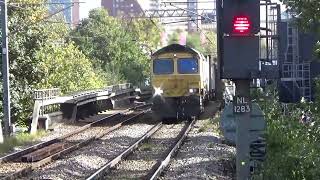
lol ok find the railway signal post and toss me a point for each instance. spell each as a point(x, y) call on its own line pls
point(238, 48)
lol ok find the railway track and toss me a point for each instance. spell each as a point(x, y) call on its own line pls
point(156, 148)
point(82, 162)
point(24, 162)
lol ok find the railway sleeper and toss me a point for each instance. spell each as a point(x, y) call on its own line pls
point(44, 152)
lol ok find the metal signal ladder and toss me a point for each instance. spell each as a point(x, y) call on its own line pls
point(294, 68)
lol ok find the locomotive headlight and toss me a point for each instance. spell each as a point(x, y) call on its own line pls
point(158, 91)
point(193, 90)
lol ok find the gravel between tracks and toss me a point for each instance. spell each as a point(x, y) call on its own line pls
point(202, 154)
point(82, 162)
point(8, 168)
point(61, 128)
point(138, 164)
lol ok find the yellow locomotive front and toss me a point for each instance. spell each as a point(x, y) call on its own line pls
point(177, 82)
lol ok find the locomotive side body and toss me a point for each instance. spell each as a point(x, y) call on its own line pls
point(180, 78)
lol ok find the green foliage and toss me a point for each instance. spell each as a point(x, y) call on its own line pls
point(317, 49)
point(41, 55)
point(307, 16)
point(145, 31)
point(146, 147)
point(210, 45)
point(206, 46)
point(26, 37)
point(174, 38)
point(114, 48)
point(292, 147)
point(211, 124)
point(19, 140)
point(34, 45)
point(194, 41)
point(67, 68)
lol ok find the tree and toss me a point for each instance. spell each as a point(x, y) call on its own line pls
point(146, 31)
point(174, 37)
point(317, 49)
point(194, 41)
point(27, 34)
point(307, 15)
point(210, 43)
point(113, 48)
point(306, 12)
point(32, 47)
point(67, 68)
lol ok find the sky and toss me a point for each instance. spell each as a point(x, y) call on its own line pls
point(91, 4)
point(87, 6)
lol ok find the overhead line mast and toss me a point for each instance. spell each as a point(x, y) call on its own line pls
point(5, 68)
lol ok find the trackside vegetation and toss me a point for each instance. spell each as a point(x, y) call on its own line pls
point(19, 140)
point(293, 130)
point(292, 146)
point(45, 52)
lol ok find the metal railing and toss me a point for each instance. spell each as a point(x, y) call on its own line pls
point(43, 94)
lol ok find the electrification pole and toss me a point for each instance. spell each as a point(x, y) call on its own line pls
point(1, 135)
point(5, 68)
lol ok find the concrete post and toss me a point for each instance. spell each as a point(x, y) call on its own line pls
point(1, 135)
point(5, 68)
point(242, 131)
point(35, 117)
point(74, 109)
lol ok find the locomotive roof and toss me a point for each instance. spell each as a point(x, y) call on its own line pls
point(176, 48)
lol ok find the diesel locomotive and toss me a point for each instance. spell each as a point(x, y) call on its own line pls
point(183, 79)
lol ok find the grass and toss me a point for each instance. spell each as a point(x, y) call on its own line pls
point(19, 140)
point(229, 165)
point(211, 145)
point(146, 147)
point(211, 124)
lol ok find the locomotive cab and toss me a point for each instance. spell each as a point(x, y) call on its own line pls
point(179, 82)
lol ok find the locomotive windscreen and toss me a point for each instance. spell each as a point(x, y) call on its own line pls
point(188, 66)
point(163, 66)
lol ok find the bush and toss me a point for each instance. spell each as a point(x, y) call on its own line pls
point(67, 68)
point(293, 148)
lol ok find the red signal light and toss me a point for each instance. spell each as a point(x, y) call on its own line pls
point(241, 25)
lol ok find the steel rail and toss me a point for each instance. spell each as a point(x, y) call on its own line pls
point(35, 147)
point(28, 150)
point(57, 155)
point(106, 168)
point(161, 164)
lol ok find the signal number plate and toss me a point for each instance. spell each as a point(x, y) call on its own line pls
point(241, 105)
